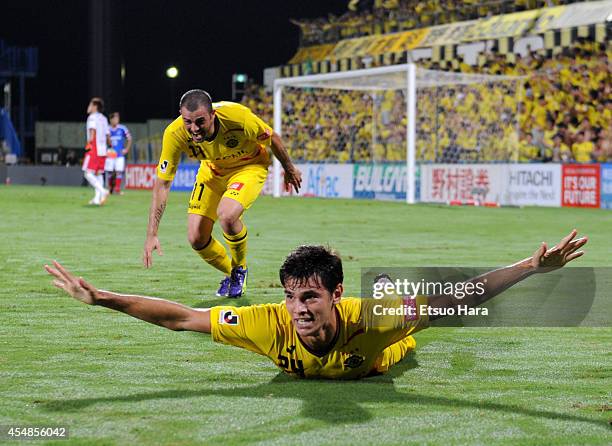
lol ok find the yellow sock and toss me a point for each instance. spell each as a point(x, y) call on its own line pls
point(215, 255)
point(237, 246)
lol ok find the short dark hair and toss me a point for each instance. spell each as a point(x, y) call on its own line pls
point(193, 99)
point(99, 103)
point(113, 114)
point(309, 261)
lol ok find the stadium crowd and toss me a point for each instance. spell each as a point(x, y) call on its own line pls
point(559, 111)
point(367, 17)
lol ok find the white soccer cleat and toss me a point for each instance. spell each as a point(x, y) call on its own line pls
point(105, 195)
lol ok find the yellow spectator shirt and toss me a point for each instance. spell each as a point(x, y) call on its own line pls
point(240, 139)
point(362, 336)
point(582, 151)
point(527, 151)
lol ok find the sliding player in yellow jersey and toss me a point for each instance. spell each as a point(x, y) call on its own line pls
point(315, 333)
point(231, 143)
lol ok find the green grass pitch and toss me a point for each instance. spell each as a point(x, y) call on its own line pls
point(114, 380)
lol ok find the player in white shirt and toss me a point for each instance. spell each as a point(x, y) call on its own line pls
point(98, 139)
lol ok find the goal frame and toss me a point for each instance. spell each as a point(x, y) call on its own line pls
point(408, 68)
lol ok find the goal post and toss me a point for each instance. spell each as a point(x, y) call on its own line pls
point(419, 103)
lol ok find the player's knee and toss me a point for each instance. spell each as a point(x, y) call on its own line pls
point(197, 240)
point(227, 220)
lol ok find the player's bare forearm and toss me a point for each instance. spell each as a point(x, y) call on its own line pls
point(158, 205)
point(486, 286)
point(164, 313)
point(293, 176)
point(489, 285)
point(280, 152)
point(128, 146)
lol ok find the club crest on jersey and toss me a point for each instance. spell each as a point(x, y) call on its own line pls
point(236, 186)
point(354, 361)
point(232, 143)
point(163, 166)
point(227, 317)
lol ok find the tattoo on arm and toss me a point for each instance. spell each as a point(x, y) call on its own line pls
point(280, 151)
point(158, 213)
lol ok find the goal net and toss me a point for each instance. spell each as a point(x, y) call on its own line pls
point(397, 114)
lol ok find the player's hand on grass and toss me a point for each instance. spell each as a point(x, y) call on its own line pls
point(77, 287)
point(293, 177)
point(151, 244)
point(565, 251)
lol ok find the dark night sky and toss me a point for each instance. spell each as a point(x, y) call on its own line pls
point(206, 40)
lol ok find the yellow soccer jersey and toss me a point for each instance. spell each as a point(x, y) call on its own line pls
point(240, 139)
point(362, 336)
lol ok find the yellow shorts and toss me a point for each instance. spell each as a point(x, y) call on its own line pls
point(242, 184)
point(394, 354)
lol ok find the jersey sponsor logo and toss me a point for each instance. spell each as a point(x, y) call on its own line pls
point(231, 156)
point(354, 361)
point(265, 135)
point(227, 317)
point(163, 166)
point(236, 185)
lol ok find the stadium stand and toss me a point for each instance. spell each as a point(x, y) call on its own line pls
point(388, 16)
point(563, 111)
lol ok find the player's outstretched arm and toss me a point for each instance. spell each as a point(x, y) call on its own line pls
point(293, 176)
point(165, 313)
point(158, 206)
point(494, 282)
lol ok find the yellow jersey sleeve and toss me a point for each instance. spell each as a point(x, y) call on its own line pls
point(256, 129)
point(252, 327)
point(171, 152)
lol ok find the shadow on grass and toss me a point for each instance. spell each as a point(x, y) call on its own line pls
point(332, 402)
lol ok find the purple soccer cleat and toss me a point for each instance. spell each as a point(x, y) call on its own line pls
point(224, 287)
point(238, 279)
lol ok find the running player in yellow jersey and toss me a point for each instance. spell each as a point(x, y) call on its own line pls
point(315, 333)
point(231, 143)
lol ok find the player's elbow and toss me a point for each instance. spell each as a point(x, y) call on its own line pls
point(198, 320)
point(276, 141)
point(175, 326)
point(161, 184)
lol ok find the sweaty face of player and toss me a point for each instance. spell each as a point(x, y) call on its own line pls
point(310, 305)
point(114, 121)
point(199, 123)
